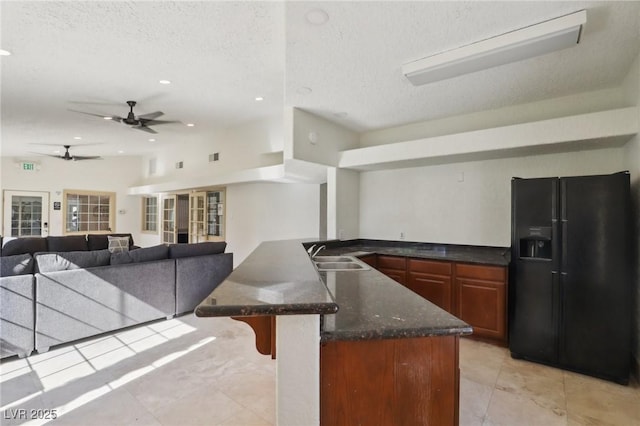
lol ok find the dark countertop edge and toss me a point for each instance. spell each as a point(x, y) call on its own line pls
point(394, 334)
point(259, 310)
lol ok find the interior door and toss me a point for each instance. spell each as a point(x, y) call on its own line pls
point(26, 214)
point(197, 210)
point(169, 229)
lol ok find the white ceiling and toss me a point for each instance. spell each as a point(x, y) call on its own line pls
point(94, 56)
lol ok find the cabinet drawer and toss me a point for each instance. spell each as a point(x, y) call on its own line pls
point(481, 272)
point(392, 262)
point(430, 267)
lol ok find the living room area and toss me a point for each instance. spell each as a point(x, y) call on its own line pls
point(222, 125)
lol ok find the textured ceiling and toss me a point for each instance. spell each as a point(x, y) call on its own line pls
point(94, 56)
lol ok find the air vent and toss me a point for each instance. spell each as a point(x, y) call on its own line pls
point(214, 157)
point(179, 164)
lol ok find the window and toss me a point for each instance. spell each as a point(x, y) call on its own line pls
point(150, 214)
point(89, 211)
point(215, 213)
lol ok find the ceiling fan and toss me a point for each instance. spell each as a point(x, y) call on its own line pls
point(141, 122)
point(68, 157)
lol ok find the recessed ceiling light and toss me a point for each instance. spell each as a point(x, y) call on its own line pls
point(4, 52)
point(120, 151)
point(164, 82)
point(77, 138)
point(259, 98)
point(190, 124)
point(316, 17)
point(304, 90)
point(108, 118)
point(152, 140)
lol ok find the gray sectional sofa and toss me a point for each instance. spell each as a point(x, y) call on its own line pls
point(50, 298)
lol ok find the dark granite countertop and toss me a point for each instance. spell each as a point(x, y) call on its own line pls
point(279, 278)
point(373, 306)
point(498, 256)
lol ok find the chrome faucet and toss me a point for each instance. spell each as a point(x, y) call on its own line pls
point(318, 250)
point(310, 249)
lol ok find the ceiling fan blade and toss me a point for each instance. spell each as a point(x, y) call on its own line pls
point(113, 117)
point(86, 157)
point(145, 129)
point(48, 155)
point(155, 122)
point(151, 115)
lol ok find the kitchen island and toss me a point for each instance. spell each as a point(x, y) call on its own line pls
point(354, 347)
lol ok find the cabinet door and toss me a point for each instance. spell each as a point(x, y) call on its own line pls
point(434, 288)
point(482, 299)
point(370, 259)
point(432, 280)
point(395, 267)
point(395, 274)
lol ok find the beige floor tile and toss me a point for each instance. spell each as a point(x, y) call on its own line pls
point(115, 408)
point(246, 418)
point(202, 407)
point(542, 384)
point(509, 409)
point(592, 401)
point(474, 402)
point(481, 362)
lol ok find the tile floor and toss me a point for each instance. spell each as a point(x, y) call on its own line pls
point(205, 371)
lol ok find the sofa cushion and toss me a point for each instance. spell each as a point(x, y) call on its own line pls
point(19, 264)
point(67, 243)
point(101, 241)
point(118, 244)
point(177, 251)
point(146, 254)
point(63, 261)
point(24, 245)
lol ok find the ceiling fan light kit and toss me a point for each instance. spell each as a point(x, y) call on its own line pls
point(528, 42)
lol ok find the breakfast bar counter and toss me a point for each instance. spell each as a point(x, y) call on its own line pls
point(343, 333)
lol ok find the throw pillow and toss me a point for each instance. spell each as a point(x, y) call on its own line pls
point(118, 244)
point(20, 264)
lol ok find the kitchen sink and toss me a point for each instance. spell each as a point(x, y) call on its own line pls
point(319, 259)
point(339, 263)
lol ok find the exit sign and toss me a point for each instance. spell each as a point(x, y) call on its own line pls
point(29, 167)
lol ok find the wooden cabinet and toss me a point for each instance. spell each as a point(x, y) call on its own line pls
point(482, 299)
point(477, 294)
point(371, 260)
point(412, 381)
point(395, 267)
point(432, 280)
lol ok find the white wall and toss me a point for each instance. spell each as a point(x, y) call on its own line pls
point(112, 174)
point(253, 144)
point(343, 207)
point(581, 103)
point(432, 204)
point(330, 138)
point(269, 211)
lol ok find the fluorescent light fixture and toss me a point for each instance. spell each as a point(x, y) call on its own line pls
point(535, 40)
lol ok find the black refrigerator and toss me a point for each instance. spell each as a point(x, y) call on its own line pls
point(570, 290)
